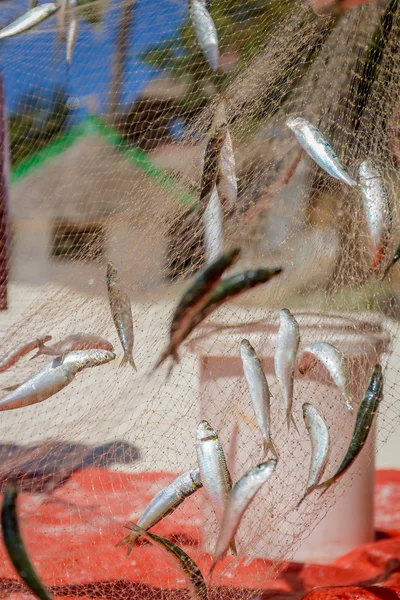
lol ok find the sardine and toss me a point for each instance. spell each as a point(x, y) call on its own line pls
point(53, 377)
point(365, 416)
point(76, 341)
point(287, 345)
point(378, 210)
point(15, 547)
point(12, 356)
point(259, 393)
point(193, 299)
point(320, 446)
point(30, 19)
point(320, 150)
point(165, 502)
point(214, 472)
point(121, 311)
point(213, 229)
point(72, 31)
point(190, 571)
point(206, 33)
point(226, 180)
point(393, 261)
point(334, 361)
point(241, 496)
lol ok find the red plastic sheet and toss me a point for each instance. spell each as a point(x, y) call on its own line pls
point(71, 536)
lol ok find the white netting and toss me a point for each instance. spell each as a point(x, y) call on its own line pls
point(106, 165)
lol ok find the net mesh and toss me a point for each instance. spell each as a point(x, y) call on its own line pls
point(106, 163)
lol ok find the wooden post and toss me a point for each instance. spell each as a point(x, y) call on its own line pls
point(4, 182)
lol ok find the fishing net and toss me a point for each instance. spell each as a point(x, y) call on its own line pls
point(105, 164)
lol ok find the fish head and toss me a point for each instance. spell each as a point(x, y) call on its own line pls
point(81, 359)
point(112, 272)
point(205, 432)
point(295, 123)
point(263, 468)
point(246, 348)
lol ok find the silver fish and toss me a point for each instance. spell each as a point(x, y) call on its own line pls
point(53, 377)
point(190, 571)
point(165, 502)
point(30, 19)
point(287, 345)
point(259, 393)
point(72, 31)
point(214, 472)
point(227, 182)
point(333, 360)
point(378, 210)
point(241, 496)
point(12, 356)
point(76, 341)
point(320, 150)
point(320, 445)
point(121, 312)
point(205, 31)
point(213, 229)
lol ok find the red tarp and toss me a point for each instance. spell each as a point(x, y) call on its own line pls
point(71, 537)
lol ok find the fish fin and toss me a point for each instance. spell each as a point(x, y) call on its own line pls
point(232, 546)
point(38, 353)
point(129, 540)
point(307, 492)
point(268, 446)
point(41, 350)
point(128, 358)
point(11, 388)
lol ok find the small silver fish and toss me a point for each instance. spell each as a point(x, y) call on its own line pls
point(121, 311)
point(378, 210)
point(205, 31)
point(259, 393)
point(72, 31)
point(320, 150)
point(320, 446)
point(53, 377)
point(30, 19)
point(227, 182)
point(214, 472)
point(165, 502)
point(12, 356)
point(76, 341)
point(182, 561)
point(333, 360)
point(213, 229)
point(241, 496)
point(287, 345)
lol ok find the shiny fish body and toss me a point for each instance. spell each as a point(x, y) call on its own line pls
point(393, 261)
point(259, 393)
point(165, 502)
point(334, 361)
point(320, 445)
point(214, 472)
point(121, 312)
point(206, 33)
point(15, 547)
point(72, 31)
point(53, 377)
point(365, 417)
point(187, 567)
point(320, 150)
point(226, 181)
point(378, 210)
point(30, 19)
point(76, 341)
point(10, 358)
point(287, 345)
point(194, 298)
point(241, 496)
point(213, 229)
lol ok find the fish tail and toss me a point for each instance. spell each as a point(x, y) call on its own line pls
point(128, 358)
point(290, 419)
point(162, 358)
point(307, 492)
point(41, 349)
point(378, 256)
point(129, 540)
point(268, 446)
point(38, 353)
point(233, 548)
